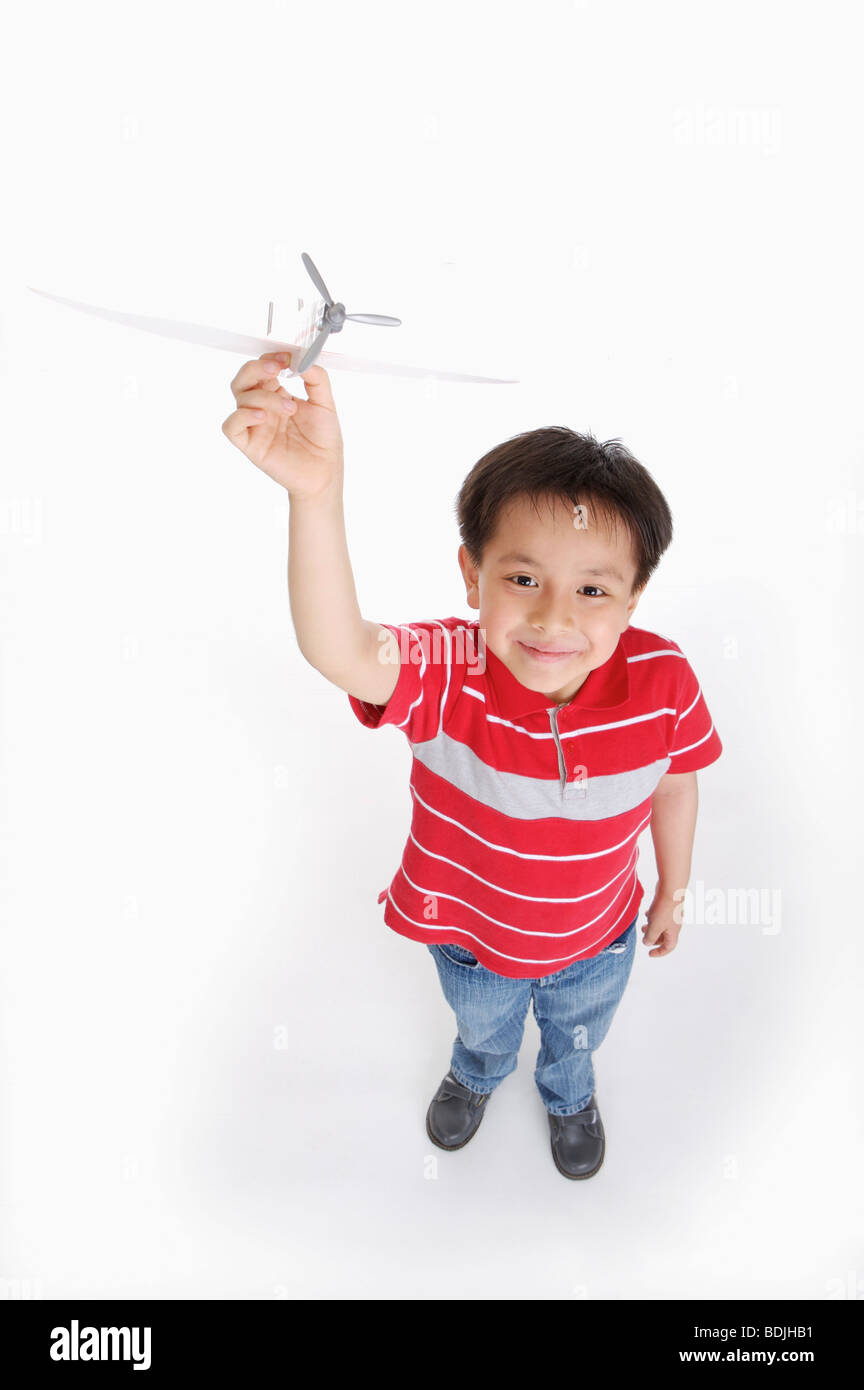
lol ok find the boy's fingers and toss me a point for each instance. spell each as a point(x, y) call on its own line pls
point(317, 384)
point(237, 426)
point(265, 397)
point(259, 371)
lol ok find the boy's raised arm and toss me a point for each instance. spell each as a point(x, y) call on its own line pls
point(331, 632)
point(299, 444)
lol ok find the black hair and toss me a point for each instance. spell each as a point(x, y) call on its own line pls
point(557, 462)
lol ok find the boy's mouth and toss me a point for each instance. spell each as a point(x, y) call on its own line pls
point(546, 655)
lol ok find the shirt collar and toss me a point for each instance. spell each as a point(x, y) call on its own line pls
point(605, 687)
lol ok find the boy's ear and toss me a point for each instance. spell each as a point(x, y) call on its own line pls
point(469, 574)
point(634, 599)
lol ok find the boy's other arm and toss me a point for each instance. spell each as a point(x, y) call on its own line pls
point(673, 827)
point(332, 633)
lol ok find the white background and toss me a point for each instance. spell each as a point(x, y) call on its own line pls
point(216, 1058)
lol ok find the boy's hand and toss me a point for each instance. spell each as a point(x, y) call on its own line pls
point(299, 447)
point(661, 926)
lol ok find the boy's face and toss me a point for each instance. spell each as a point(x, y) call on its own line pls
point(569, 589)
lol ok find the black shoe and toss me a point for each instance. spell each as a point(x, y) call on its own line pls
point(454, 1114)
point(578, 1141)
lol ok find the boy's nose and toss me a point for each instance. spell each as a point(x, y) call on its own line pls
point(555, 620)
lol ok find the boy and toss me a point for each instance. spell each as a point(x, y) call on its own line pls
point(546, 735)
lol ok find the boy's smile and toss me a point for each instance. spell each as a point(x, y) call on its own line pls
point(553, 597)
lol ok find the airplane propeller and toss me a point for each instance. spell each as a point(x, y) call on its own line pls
point(334, 314)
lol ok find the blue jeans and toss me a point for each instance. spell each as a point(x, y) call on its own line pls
point(573, 1009)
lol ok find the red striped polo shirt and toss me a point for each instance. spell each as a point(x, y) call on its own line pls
point(526, 815)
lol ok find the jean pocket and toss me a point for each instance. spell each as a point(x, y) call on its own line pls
point(457, 955)
point(623, 942)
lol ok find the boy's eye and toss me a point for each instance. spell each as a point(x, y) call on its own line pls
point(598, 592)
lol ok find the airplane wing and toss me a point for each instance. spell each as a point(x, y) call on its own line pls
point(254, 347)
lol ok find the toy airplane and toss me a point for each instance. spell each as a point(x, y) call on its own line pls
point(322, 317)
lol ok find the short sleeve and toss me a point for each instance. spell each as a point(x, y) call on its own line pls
point(427, 676)
point(695, 742)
